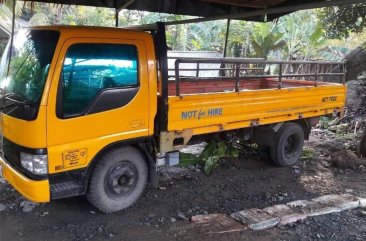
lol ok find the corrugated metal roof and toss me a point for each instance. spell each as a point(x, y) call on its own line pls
point(253, 10)
point(199, 8)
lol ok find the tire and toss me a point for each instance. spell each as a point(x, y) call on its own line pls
point(362, 149)
point(118, 180)
point(289, 141)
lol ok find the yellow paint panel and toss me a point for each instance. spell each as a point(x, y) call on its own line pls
point(206, 113)
point(30, 134)
point(36, 191)
point(93, 146)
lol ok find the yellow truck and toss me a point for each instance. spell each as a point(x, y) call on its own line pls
point(87, 110)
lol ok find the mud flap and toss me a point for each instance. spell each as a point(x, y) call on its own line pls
point(153, 175)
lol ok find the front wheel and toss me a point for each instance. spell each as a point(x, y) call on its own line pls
point(118, 180)
point(289, 141)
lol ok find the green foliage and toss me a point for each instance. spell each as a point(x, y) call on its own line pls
point(265, 39)
point(333, 53)
point(210, 156)
point(308, 153)
point(302, 33)
point(186, 159)
point(324, 122)
point(211, 164)
point(340, 21)
point(45, 14)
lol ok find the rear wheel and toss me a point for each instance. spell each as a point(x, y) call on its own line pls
point(118, 180)
point(288, 144)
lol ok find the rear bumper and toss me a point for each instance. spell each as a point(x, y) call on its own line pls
point(36, 191)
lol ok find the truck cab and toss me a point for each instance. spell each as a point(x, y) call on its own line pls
point(73, 93)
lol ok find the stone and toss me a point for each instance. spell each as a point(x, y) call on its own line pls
point(346, 159)
point(22, 203)
point(285, 214)
point(256, 219)
point(173, 220)
point(28, 208)
point(356, 94)
point(2, 207)
point(181, 216)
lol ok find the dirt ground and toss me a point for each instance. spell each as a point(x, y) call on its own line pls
point(237, 184)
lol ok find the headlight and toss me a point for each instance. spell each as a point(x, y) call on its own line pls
point(36, 164)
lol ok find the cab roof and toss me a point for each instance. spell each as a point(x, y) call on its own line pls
point(91, 31)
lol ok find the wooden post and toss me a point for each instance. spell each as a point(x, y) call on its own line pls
point(227, 36)
point(117, 17)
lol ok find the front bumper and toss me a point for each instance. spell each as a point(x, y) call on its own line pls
point(36, 191)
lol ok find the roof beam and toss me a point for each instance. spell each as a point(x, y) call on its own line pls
point(275, 10)
point(248, 3)
point(125, 5)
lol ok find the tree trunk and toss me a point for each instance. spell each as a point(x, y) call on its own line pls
point(362, 149)
point(356, 62)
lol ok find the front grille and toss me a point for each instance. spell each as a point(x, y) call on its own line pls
point(12, 153)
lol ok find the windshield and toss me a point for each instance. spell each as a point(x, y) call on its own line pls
point(30, 56)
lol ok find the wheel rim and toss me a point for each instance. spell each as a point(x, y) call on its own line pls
point(291, 145)
point(120, 180)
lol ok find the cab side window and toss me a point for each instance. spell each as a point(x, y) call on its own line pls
point(91, 69)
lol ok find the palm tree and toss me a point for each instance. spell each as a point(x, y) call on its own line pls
point(303, 35)
point(267, 38)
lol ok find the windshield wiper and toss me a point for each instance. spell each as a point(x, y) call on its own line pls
point(15, 102)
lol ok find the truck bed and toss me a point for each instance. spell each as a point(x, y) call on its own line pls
point(211, 86)
point(206, 105)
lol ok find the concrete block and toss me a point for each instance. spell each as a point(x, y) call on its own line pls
point(311, 208)
point(342, 202)
point(362, 202)
point(218, 223)
point(256, 219)
point(285, 214)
